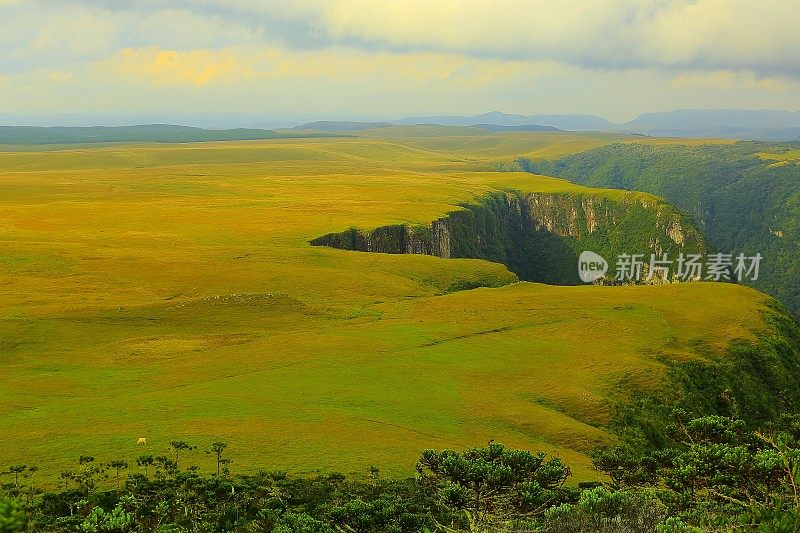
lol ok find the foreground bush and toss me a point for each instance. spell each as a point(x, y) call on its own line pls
point(713, 475)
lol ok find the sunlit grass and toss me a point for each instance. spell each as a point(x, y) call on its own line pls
point(782, 158)
point(169, 292)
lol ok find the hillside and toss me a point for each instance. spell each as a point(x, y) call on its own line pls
point(744, 196)
point(170, 292)
point(24, 135)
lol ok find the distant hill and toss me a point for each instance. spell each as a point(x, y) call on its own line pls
point(144, 133)
point(562, 122)
point(214, 120)
point(742, 124)
point(335, 125)
point(524, 127)
point(578, 122)
point(717, 119)
point(745, 124)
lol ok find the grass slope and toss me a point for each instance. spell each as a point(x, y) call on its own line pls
point(169, 292)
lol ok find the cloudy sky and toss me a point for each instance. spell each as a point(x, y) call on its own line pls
point(393, 58)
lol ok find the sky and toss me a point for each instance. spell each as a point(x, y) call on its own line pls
point(385, 59)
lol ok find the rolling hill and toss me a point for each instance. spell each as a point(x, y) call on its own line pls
point(170, 292)
point(26, 135)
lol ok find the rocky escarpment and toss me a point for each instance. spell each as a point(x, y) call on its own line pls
point(538, 236)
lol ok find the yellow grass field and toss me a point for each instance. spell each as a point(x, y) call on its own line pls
point(783, 158)
point(169, 292)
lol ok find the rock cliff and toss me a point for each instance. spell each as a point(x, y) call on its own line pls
point(538, 236)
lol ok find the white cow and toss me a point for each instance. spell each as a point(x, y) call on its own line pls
point(141, 441)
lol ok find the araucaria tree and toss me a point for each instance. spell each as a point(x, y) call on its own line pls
point(493, 484)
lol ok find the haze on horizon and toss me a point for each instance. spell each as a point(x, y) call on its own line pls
point(361, 58)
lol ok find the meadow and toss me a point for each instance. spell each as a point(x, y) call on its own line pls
point(169, 292)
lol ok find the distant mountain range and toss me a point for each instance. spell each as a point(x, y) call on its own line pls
point(767, 124)
point(764, 124)
point(519, 125)
point(718, 118)
point(497, 118)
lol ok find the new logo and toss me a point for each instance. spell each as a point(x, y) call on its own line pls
point(591, 266)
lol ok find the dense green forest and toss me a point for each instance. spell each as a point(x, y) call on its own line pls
point(743, 203)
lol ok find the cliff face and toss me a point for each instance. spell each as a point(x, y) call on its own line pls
point(538, 236)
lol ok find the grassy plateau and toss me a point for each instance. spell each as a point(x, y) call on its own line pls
point(169, 292)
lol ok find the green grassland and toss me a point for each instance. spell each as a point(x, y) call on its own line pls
point(783, 158)
point(477, 147)
point(169, 292)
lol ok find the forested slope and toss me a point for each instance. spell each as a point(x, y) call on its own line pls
point(745, 196)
